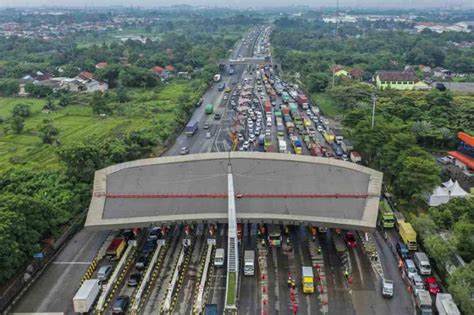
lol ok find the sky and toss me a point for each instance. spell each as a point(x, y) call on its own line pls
point(246, 3)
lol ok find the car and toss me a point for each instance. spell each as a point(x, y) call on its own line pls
point(417, 283)
point(208, 135)
point(274, 103)
point(350, 239)
point(206, 125)
point(410, 268)
point(227, 90)
point(402, 250)
point(217, 116)
point(184, 151)
point(121, 305)
point(246, 145)
point(240, 137)
point(104, 272)
point(309, 112)
point(250, 124)
point(252, 138)
point(155, 233)
point(141, 262)
point(134, 279)
point(226, 97)
point(432, 286)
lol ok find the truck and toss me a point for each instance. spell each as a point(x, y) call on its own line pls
point(422, 263)
point(209, 109)
point(268, 107)
point(308, 279)
point(302, 100)
point(219, 257)
point(355, 157)
point(221, 87)
point(338, 136)
point(285, 109)
point(387, 288)
point(297, 145)
point(445, 304)
point(86, 296)
point(249, 263)
point(280, 127)
point(272, 95)
point(217, 77)
point(191, 128)
point(408, 235)
point(329, 136)
point(423, 302)
point(387, 219)
point(316, 150)
point(267, 143)
point(210, 309)
point(290, 127)
point(293, 107)
point(285, 97)
point(282, 148)
point(116, 248)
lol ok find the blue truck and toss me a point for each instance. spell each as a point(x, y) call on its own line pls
point(191, 128)
point(210, 309)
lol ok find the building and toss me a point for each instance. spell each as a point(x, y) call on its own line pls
point(464, 156)
point(398, 80)
point(446, 192)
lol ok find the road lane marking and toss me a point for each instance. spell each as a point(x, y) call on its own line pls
point(359, 267)
point(72, 262)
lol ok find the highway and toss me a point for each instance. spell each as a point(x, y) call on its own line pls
point(53, 291)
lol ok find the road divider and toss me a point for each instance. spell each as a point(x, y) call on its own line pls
point(199, 297)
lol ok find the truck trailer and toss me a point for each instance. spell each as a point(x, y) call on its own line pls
point(445, 304)
point(308, 280)
point(408, 235)
point(86, 296)
point(191, 128)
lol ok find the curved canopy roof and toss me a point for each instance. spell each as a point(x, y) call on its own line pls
point(269, 187)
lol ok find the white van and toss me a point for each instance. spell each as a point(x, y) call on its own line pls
point(219, 257)
point(422, 263)
point(410, 268)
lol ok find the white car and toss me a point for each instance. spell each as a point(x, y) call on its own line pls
point(269, 124)
point(320, 128)
point(208, 135)
point(250, 125)
point(252, 138)
point(308, 112)
point(246, 145)
point(240, 137)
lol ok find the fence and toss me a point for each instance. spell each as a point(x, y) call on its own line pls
point(23, 281)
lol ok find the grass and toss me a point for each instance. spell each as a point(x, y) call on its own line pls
point(231, 289)
point(326, 104)
point(77, 123)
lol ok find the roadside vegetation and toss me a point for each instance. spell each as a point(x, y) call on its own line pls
point(52, 142)
point(411, 127)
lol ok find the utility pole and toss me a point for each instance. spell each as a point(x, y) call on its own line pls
point(374, 101)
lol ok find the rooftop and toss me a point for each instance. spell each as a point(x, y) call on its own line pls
point(397, 75)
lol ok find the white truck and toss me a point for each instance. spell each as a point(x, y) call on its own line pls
point(423, 302)
point(217, 78)
point(219, 257)
point(282, 148)
point(249, 262)
point(445, 305)
point(86, 296)
point(355, 157)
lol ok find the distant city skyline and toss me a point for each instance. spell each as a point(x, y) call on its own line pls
point(385, 4)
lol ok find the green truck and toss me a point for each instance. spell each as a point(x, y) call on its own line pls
point(209, 109)
point(387, 218)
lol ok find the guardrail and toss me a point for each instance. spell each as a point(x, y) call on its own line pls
point(199, 299)
point(112, 283)
point(137, 299)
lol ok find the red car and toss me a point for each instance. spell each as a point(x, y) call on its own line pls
point(432, 285)
point(350, 240)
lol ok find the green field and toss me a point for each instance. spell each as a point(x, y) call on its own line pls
point(326, 104)
point(77, 123)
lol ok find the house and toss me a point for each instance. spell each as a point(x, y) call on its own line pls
point(356, 74)
point(157, 70)
point(170, 68)
point(94, 86)
point(86, 75)
point(442, 73)
point(398, 80)
point(101, 65)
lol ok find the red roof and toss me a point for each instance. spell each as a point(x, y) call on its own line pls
point(157, 69)
point(86, 75)
point(463, 158)
point(169, 68)
point(101, 65)
point(356, 73)
point(466, 138)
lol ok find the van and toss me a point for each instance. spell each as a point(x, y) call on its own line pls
point(417, 283)
point(219, 257)
point(121, 305)
point(104, 272)
point(410, 268)
point(422, 263)
point(402, 250)
point(423, 303)
point(387, 288)
point(249, 262)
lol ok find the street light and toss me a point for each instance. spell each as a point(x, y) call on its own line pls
point(374, 100)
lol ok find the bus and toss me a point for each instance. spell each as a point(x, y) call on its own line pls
point(386, 217)
point(274, 235)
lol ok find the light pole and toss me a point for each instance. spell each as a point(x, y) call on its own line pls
point(374, 101)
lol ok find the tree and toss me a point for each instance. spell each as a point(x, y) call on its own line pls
point(17, 124)
point(48, 133)
point(317, 82)
point(399, 143)
point(461, 286)
point(64, 99)
point(464, 232)
point(38, 90)
point(99, 103)
point(418, 176)
point(49, 103)
point(21, 110)
point(440, 250)
point(9, 88)
point(82, 160)
point(121, 94)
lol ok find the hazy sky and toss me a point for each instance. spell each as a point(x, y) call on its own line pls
point(246, 3)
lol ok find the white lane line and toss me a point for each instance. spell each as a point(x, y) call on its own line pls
point(359, 267)
point(72, 262)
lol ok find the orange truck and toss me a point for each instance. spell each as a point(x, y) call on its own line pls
point(116, 248)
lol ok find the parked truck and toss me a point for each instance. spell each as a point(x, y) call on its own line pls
point(387, 219)
point(308, 279)
point(116, 248)
point(191, 128)
point(302, 101)
point(86, 296)
point(210, 309)
point(249, 263)
point(445, 304)
point(408, 235)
